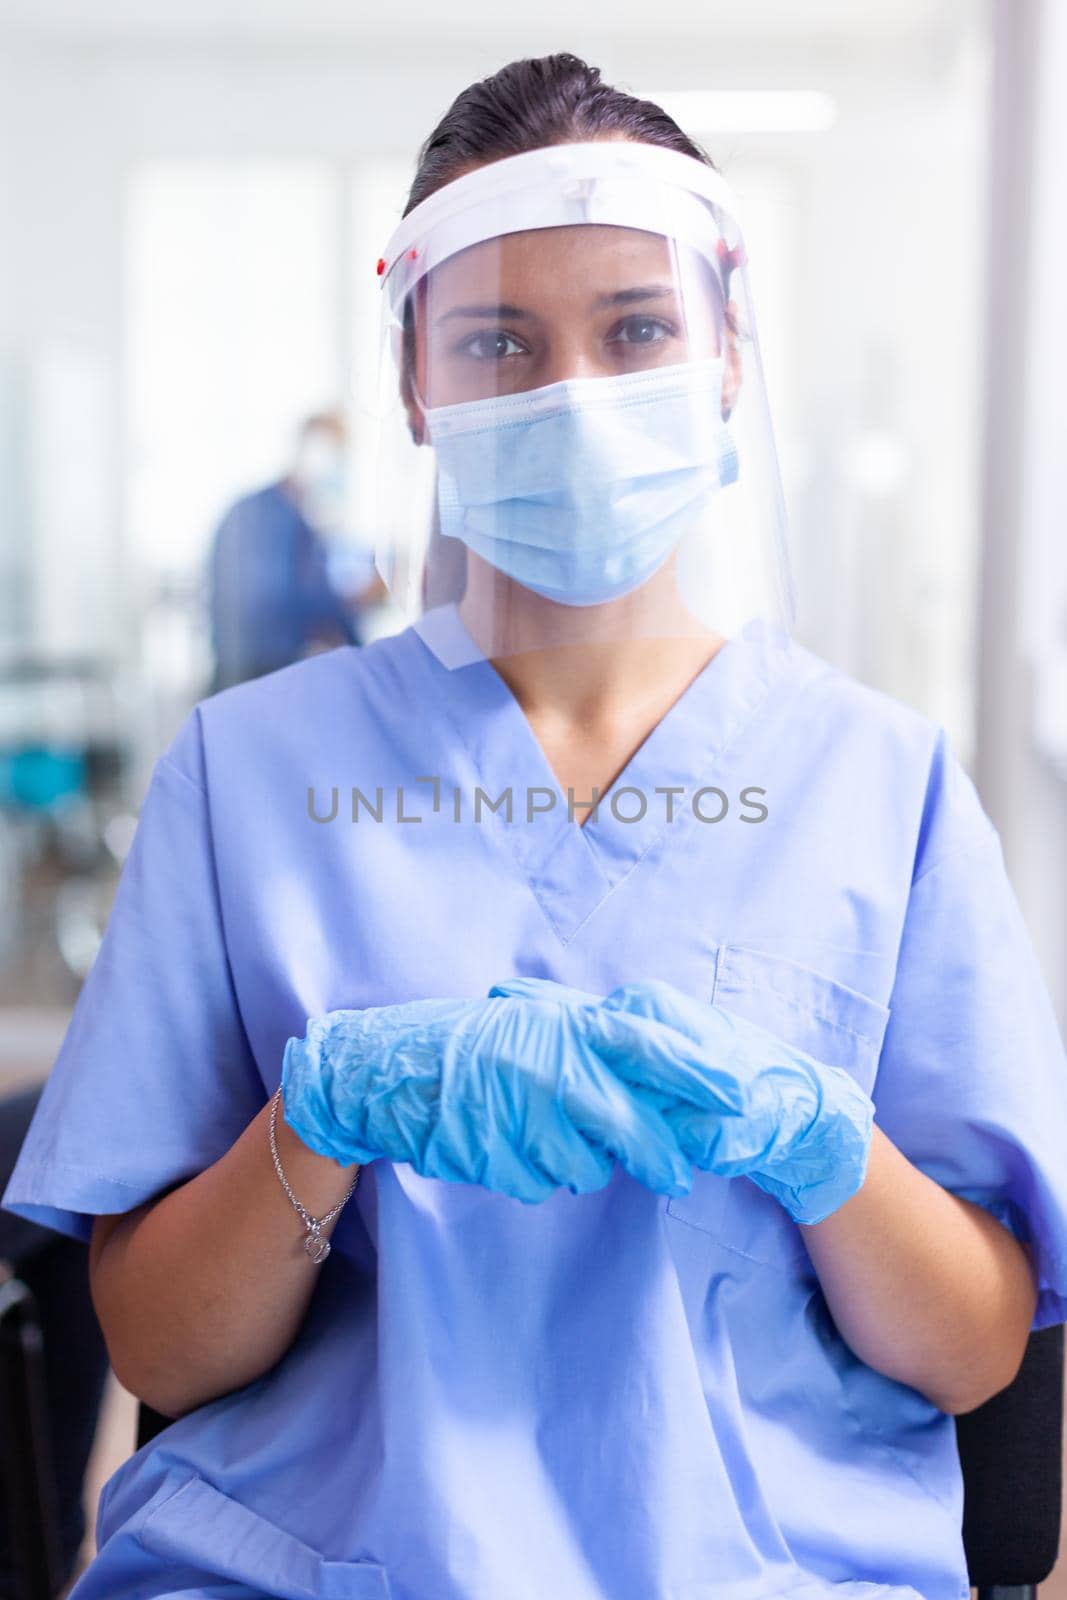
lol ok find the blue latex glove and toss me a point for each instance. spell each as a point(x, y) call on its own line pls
point(512, 1094)
point(741, 1101)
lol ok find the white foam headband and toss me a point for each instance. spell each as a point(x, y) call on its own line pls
point(616, 182)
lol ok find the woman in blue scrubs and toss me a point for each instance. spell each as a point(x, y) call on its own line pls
point(658, 1272)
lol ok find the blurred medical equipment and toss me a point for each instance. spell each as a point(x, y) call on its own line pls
point(65, 756)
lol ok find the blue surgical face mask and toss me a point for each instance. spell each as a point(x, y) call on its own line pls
point(581, 490)
point(321, 479)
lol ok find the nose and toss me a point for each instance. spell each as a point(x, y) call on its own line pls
point(571, 358)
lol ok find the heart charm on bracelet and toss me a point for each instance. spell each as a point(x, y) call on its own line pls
point(315, 1245)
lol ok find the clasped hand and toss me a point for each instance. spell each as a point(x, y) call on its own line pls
point(539, 1087)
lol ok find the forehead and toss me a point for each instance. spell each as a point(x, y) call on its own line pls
point(566, 260)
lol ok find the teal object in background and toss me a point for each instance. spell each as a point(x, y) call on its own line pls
point(41, 778)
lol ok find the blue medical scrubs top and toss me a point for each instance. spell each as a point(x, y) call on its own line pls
point(609, 1396)
point(271, 592)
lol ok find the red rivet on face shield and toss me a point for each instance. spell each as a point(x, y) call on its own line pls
point(381, 265)
point(730, 259)
point(412, 254)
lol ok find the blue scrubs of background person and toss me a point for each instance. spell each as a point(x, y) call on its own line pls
point(271, 596)
point(616, 1393)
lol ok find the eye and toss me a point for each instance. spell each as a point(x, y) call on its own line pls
point(641, 330)
point(491, 345)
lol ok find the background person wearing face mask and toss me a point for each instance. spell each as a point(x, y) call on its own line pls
point(272, 598)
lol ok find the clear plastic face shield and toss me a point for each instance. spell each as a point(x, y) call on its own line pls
point(574, 444)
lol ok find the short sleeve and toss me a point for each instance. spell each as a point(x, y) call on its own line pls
point(155, 1078)
point(972, 1082)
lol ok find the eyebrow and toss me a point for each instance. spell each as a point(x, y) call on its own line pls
point(487, 312)
point(509, 313)
point(629, 297)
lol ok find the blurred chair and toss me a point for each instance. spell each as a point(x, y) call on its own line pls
point(53, 1366)
point(27, 1473)
point(149, 1424)
point(1011, 1450)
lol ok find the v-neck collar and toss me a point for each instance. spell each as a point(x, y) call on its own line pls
point(572, 868)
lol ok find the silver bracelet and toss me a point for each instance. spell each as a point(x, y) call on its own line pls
point(316, 1246)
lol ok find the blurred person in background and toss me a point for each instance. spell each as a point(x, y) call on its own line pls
point(272, 599)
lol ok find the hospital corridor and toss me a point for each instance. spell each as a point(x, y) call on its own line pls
point(533, 800)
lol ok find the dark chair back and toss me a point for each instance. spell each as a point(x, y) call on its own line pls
point(1011, 1451)
point(149, 1423)
point(27, 1476)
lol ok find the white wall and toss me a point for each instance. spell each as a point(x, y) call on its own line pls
point(1023, 618)
point(881, 365)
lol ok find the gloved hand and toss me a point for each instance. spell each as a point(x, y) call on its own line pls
point(509, 1093)
point(740, 1100)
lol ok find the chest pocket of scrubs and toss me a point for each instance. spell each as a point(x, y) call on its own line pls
point(817, 1014)
point(196, 1525)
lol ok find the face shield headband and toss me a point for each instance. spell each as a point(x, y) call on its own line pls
point(612, 183)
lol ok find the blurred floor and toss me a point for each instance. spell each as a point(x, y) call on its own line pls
point(115, 1439)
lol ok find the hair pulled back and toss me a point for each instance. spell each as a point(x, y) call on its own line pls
point(530, 104)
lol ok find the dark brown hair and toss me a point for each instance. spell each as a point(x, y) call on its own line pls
point(530, 104)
